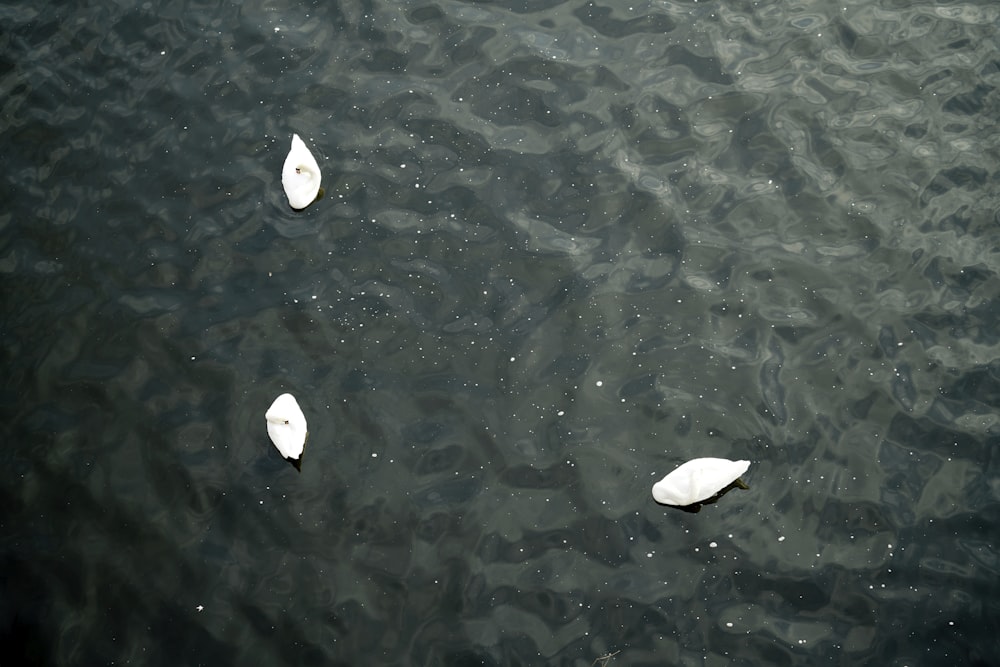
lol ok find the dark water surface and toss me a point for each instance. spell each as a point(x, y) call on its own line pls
point(563, 247)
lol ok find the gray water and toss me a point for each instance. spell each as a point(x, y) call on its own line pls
point(563, 247)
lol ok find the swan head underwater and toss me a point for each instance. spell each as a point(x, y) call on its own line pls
point(300, 175)
point(286, 426)
point(698, 481)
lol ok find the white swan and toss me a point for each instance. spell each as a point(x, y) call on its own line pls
point(287, 427)
point(300, 175)
point(697, 480)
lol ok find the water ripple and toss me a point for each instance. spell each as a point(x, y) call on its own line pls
point(561, 249)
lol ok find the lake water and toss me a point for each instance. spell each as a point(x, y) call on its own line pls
point(562, 248)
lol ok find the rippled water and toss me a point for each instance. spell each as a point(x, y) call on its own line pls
point(563, 247)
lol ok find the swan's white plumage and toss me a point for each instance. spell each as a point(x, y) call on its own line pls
point(300, 175)
point(287, 426)
point(697, 480)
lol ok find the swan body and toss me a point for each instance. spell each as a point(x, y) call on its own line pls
point(286, 425)
point(300, 175)
point(697, 480)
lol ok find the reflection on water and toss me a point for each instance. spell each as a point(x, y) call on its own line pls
point(562, 248)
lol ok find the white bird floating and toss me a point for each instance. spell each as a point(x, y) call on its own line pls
point(287, 427)
point(697, 480)
point(300, 175)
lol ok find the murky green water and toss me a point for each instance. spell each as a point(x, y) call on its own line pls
point(563, 248)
